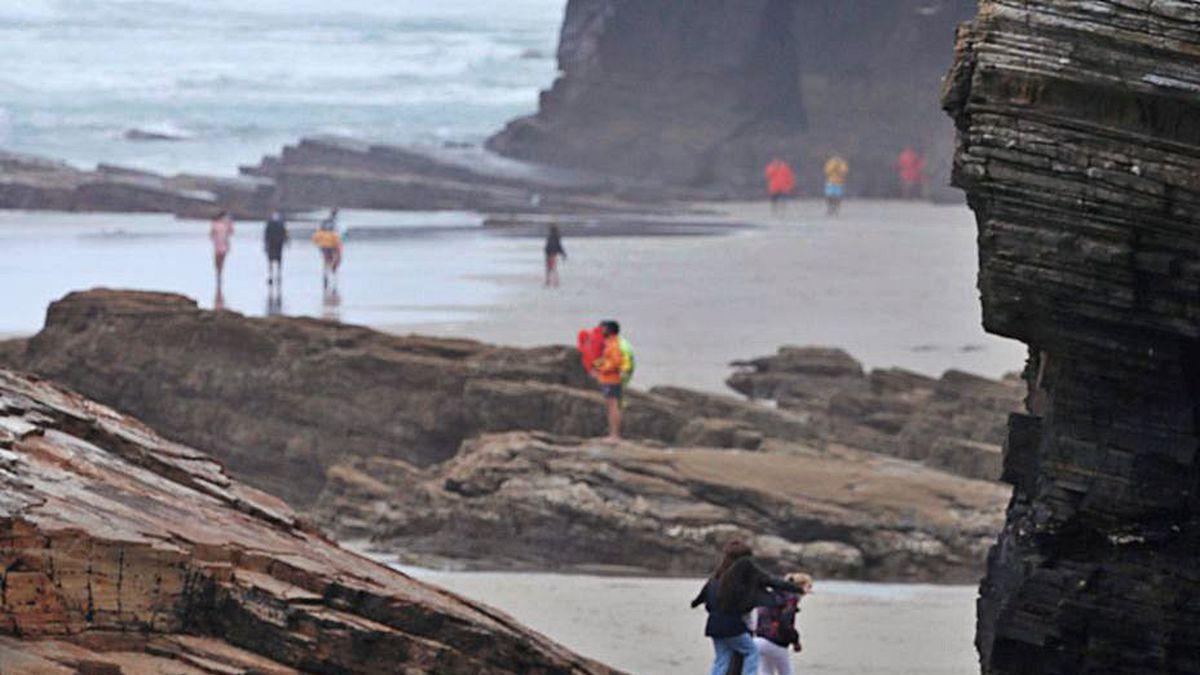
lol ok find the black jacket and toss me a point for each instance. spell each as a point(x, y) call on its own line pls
point(740, 589)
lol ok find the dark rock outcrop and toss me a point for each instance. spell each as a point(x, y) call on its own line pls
point(282, 399)
point(34, 183)
point(956, 422)
point(372, 432)
point(704, 94)
point(122, 552)
point(524, 501)
point(1079, 149)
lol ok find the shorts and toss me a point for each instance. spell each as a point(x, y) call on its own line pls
point(275, 253)
point(834, 191)
point(551, 262)
point(611, 391)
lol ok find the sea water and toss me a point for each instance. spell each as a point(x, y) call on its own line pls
point(232, 80)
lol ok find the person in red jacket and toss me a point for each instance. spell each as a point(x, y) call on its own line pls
point(781, 182)
point(910, 169)
point(608, 372)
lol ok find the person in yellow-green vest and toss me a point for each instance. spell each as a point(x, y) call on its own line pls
point(609, 370)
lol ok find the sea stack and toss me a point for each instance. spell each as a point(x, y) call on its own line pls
point(704, 94)
point(1079, 149)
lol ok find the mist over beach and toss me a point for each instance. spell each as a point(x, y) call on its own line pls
point(592, 337)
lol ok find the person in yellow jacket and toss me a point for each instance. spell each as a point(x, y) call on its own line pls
point(609, 371)
point(330, 244)
point(836, 172)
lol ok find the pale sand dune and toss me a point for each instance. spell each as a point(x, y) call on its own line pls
point(891, 282)
point(644, 625)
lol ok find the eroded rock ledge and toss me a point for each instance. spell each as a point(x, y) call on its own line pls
point(394, 440)
point(121, 551)
point(1079, 149)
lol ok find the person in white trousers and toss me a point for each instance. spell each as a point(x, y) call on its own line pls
point(775, 628)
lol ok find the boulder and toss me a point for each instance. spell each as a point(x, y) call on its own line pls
point(124, 552)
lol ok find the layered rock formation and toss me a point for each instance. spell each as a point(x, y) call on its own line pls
point(122, 552)
point(34, 183)
point(956, 422)
point(704, 94)
point(373, 433)
point(526, 501)
point(1079, 149)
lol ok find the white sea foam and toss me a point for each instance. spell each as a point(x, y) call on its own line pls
point(241, 77)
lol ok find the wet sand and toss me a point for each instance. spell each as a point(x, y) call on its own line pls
point(891, 282)
point(644, 626)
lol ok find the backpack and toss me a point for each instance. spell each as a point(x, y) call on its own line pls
point(628, 361)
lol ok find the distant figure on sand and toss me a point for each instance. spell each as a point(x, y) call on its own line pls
point(275, 235)
point(609, 372)
point(331, 222)
point(910, 169)
point(554, 250)
point(775, 627)
point(781, 181)
point(836, 172)
point(736, 587)
point(221, 234)
point(330, 244)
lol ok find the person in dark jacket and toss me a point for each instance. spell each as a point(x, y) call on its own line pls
point(275, 235)
point(736, 587)
point(554, 250)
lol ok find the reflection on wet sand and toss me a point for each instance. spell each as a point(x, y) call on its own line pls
point(331, 304)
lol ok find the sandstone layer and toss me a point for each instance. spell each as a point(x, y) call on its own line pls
point(521, 500)
point(1079, 150)
point(956, 422)
point(122, 552)
point(368, 432)
point(704, 94)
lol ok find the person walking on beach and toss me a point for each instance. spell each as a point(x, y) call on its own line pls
point(836, 172)
point(330, 244)
point(736, 587)
point(781, 181)
point(910, 169)
point(554, 250)
point(331, 222)
point(609, 372)
point(775, 627)
point(275, 235)
point(221, 234)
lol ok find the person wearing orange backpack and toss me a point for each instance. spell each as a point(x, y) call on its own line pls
point(609, 371)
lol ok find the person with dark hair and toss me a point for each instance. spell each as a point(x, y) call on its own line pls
point(554, 250)
point(736, 587)
point(275, 235)
point(609, 370)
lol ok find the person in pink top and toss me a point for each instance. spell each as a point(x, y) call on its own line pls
point(221, 233)
point(910, 169)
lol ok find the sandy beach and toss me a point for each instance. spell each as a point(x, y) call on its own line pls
point(644, 626)
point(893, 283)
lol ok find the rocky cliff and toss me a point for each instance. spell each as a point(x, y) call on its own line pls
point(122, 552)
point(394, 439)
point(705, 93)
point(1079, 150)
